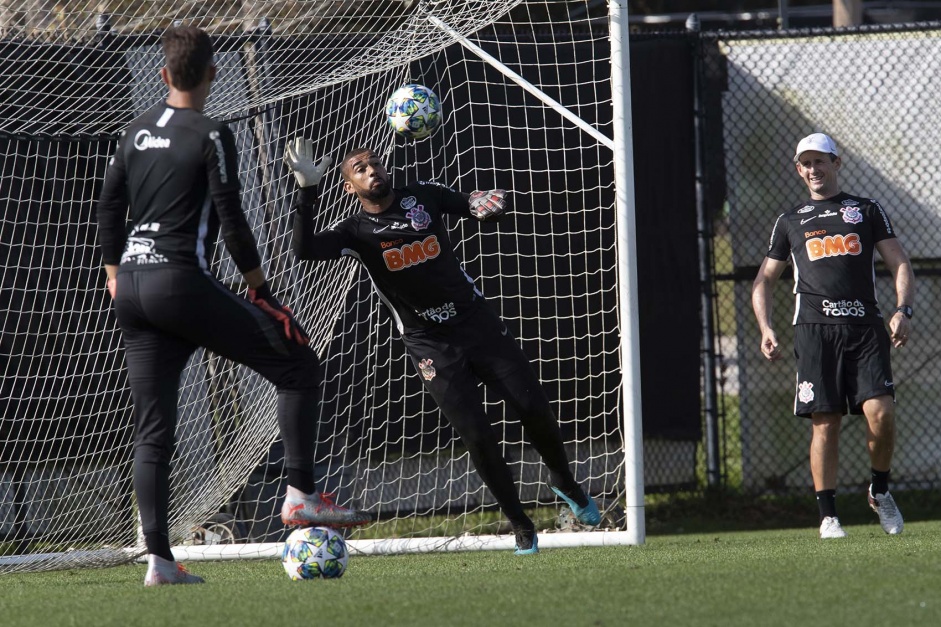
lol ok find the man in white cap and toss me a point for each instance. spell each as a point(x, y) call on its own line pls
point(840, 338)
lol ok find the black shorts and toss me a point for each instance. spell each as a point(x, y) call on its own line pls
point(454, 359)
point(840, 366)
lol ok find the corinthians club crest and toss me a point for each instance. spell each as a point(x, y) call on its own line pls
point(419, 217)
point(805, 391)
point(851, 215)
point(427, 370)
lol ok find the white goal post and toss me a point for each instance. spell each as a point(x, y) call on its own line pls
point(536, 97)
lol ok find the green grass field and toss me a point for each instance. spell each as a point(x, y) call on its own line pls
point(773, 577)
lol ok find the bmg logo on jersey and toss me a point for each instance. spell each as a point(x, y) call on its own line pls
point(144, 140)
point(833, 246)
point(843, 308)
point(412, 254)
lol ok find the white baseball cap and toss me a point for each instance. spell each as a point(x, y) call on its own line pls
point(816, 141)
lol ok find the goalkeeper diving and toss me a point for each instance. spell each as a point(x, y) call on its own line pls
point(453, 337)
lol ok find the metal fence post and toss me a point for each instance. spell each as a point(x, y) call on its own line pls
point(704, 226)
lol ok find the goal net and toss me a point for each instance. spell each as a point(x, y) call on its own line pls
point(71, 78)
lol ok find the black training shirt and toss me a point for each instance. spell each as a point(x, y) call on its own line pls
point(177, 170)
point(406, 250)
point(832, 246)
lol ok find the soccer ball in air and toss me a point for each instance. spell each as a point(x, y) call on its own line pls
point(315, 553)
point(414, 111)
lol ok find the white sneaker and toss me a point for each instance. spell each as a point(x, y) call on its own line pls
point(161, 572)
point(319, 510)
point(889, 515)
point(831, 528)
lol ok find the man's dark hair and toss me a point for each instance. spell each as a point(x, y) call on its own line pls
point(189, 54)
point(349, 154)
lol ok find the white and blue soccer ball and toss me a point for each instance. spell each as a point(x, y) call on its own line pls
point(414, 111)
point(315, 553)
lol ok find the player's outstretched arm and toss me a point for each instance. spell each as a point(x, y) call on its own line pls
point(488, 205)
point(306, 241)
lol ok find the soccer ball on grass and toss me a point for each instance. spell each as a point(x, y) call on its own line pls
point(314, 553)
point(414, 111)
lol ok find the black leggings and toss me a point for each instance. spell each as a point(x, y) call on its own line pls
point(453, 360)
point(165, 314)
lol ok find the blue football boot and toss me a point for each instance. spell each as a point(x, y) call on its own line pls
point(587, 515)
point(526, 541)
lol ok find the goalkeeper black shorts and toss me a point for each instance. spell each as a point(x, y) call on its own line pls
point(454, 359)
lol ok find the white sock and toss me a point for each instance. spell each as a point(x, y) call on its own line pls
point(296, 494)
point(155, 561)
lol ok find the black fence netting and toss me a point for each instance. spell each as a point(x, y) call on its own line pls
point(873, 91)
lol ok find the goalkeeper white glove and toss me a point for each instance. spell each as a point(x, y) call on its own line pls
point(299, 158)
point(487, 205)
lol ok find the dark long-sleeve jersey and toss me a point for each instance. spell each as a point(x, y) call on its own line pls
point(405, 249)
point(178, 171)
point(832, 245)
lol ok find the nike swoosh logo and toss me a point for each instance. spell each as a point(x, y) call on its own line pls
point(504, 331)
point(380, 230)
point(809, 219)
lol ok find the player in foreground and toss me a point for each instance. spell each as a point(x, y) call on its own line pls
point(453, 337)
point(840, 339)
point(177, 169)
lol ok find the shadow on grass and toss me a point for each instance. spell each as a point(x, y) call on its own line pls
point(719, 510)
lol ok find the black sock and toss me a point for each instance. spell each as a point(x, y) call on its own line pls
point(880, 481)
point(158, 544)
point(152, 486)
point(522, 521)
point(301, 479)
point(826, 501)
point(297, 420)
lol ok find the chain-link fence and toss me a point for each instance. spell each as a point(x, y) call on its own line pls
point(874, 91)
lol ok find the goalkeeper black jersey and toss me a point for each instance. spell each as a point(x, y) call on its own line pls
point(177, 170)
point(406, 251)
point(832, 246)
